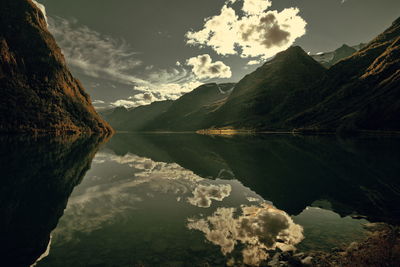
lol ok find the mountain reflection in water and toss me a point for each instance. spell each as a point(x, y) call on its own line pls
point(38, 176)
point(190, 200)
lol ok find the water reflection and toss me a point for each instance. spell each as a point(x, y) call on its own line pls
point(139, 207)
point(204, 194)
point(38, 175)
point(258, 229)
point(356, 176)
point(189, 200)
point(132, 210)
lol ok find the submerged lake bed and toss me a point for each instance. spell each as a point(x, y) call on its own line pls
point(195, 200)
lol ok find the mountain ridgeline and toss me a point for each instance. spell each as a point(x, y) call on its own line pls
point(293, 92)
point(188, 113)
point(39, 94)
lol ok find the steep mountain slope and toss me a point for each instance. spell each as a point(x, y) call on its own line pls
point(330, 58)
point(189, 111)
point(135, 119)
point(361, 92)
point(260, 92)
point(38, 91)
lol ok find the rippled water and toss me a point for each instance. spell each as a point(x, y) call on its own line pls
point(190, 200)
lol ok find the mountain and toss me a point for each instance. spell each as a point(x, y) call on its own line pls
point(187, 113)
point(328, 59)
point(135, 119)
point(190, 110)
point(294, 92)
point(257, 94)
point(39, 94)
point(359, 93)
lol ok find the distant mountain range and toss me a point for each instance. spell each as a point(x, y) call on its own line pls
point(329, 59)
point(186, 113)
point(346, 91)
point(39, 94)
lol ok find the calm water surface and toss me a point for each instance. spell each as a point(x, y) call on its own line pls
point(191, 200)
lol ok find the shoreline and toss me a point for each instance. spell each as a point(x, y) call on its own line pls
point(232, 132)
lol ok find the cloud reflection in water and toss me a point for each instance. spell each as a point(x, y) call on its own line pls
point(258, 228)
point(204, 194)
point(107, 197)
point(104, 199)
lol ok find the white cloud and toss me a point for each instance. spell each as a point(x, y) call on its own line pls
point(204, 68)
point(93, 54)
point(124, 103)
point(254, 7)
point(259, 32)
point(89, 52)
point(254, 62)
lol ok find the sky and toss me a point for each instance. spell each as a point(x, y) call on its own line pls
point(133, 52)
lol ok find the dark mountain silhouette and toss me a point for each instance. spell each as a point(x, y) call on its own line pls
point(257, 94)
point(189, 111)
point(39, 94)
point(361, 92)
point(38, 176)
point(293, 92)
point(136, 119)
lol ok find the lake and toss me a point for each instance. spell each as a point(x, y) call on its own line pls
point(190, 200)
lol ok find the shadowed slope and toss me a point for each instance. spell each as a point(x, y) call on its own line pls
point(38, 91)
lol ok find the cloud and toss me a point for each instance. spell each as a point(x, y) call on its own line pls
point(254, 62)
point(204, 68)
point(98, 102)
point(254, 7)
point(258, 229)
point(93, 54)
point(259, 32)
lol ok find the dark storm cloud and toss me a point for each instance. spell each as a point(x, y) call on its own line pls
point(269, 29)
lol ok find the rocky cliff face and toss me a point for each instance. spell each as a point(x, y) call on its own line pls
point(38, 92)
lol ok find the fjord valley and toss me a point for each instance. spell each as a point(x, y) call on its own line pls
point(293, 91)
point(199, 133)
